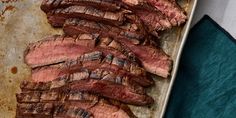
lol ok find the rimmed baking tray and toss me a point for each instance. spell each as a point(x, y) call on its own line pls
point(22, 22)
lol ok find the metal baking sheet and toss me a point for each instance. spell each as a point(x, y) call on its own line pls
point(22, 22)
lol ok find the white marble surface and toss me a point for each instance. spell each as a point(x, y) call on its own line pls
point(222, 11)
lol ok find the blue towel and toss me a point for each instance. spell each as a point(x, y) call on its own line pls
point(205, 86)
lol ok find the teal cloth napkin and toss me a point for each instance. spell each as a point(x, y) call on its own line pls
point(205, 86)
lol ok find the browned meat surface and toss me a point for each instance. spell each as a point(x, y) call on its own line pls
point(56, 49)
point(69, 111)
point(103, 110)
point(131, 31)
point(112, 91)
point(61, 103)
point(106, 5)
point(58, 16)
point(70, 49)
point(154, 20)
point(171, 9)
point(34, 110)
point(83, 81)
point(154, 60)
point(50, 73)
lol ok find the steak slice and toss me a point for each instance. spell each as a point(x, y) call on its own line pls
point(170, 8)
point(112, 91)
point(71, 104)
point(100, 74)
point(115, 74)
point(58, 16)
point(69, 111)
point(105, 5)
point(104, 110)
point(131, 31)
point(154, 20)
point(82, 81)
point(154, 59)
point(66, 103)
point(34, 110)
point(56, 49)
point(66, 48)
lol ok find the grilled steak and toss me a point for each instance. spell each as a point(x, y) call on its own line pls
point(69, 111)
point(83, 107)
point(58, 16)
point(41, 75)
point(34, 110)
point(64, 49)
point(159, 63)
point(170, 8)
point(57, 49)
point(105, 5)
point(83, 81)
point(100, 63)
point(131, 31)
point(154, 20)
point(112, 91)
point(61, 103)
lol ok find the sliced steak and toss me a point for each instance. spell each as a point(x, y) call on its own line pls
point(159, 63)
point(66, 48)
point(33, 95)
point(62, 102)
point(58, 16)
point(112, 91)
point(56, 49)
point(34, 110)
point(170, 8)
point(41, 75)
point(105, 5)
point(131, 31)
point(154, 20)
point(104, 110)
point(71, 111)
point(83, 81)
point(153, 59)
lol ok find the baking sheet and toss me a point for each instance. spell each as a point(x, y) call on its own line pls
point(22, 22)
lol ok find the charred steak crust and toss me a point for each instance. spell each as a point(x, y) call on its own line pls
point(60, 103)
point(105, 5)
point(159, 63)
point(67, 48)
point(83, 81)
point(58, 16)
point(51, 73)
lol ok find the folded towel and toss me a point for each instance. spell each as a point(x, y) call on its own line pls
point(205, 86)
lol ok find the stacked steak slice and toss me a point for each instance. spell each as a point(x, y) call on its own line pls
point(39, 100)
point(103, 61)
